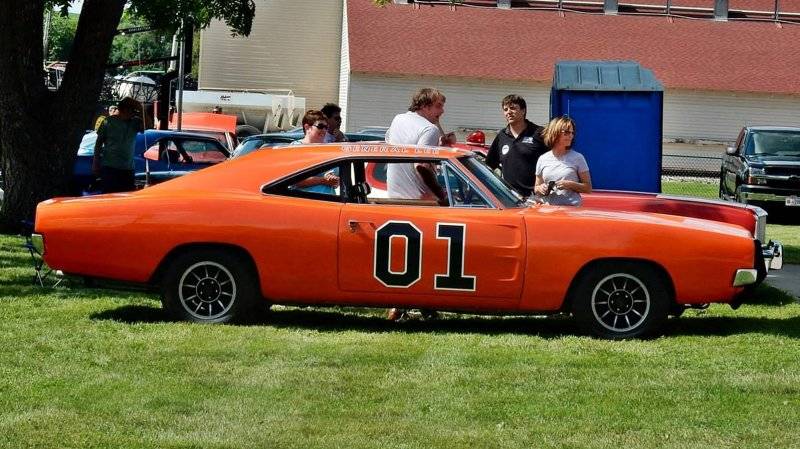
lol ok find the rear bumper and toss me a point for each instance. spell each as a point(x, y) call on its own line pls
point(748, 279)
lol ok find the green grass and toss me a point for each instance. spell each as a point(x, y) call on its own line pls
point(691, 188)
point(88, 368)
point(789, 236)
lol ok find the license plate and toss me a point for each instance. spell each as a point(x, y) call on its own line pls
point(793, 200)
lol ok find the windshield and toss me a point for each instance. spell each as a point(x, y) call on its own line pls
point(247, 146)
point(774, 143)
point(494, 183)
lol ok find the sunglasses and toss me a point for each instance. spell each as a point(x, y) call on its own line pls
point(567, 131)
point(320, 125)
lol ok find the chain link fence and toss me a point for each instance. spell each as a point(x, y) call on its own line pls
point(691, 173)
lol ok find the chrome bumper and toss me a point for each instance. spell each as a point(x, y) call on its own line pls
point(745, 276)
point(773, 255)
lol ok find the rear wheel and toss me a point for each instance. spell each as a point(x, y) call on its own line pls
point(209, 286)
point(621, 300)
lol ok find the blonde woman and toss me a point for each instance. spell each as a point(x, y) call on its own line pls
point(562, 174)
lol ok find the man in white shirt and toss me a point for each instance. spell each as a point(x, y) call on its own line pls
point(418, 126)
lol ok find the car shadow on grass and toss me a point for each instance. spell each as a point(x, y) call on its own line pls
point(338, 319)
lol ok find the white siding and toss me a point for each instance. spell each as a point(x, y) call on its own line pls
point(693, 115)
point(293, 45)
point(375, 100)
point(720, 115)
point(344, 70)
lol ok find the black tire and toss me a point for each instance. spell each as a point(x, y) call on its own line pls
point(243, 131)
point(210, 286)
point(621, 300)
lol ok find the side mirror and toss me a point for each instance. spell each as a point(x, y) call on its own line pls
point(730, 150)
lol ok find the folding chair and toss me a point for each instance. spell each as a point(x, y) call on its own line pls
point(42, 272)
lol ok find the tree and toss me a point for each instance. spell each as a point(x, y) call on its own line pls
point(39, 129)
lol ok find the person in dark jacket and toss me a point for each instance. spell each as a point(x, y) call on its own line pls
point(113, 152)
point(516, 149)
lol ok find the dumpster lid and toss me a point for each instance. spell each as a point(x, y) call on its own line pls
point(604, 76)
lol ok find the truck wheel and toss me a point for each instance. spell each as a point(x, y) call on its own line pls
point(621, 300)
point(209, 286)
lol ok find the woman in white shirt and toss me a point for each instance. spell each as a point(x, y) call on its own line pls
point(562, 174)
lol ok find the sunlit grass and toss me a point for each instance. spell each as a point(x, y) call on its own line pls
point(86, 368)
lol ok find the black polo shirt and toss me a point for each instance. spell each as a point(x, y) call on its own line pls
point(517, 156)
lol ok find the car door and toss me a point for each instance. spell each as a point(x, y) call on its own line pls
point(468, 254)
point(732, 164)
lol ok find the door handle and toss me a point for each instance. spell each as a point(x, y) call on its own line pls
point(353, 224)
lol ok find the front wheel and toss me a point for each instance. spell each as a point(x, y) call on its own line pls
point(621, 300)
point(209, 286)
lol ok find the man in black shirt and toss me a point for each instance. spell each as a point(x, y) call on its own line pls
point(517, 147)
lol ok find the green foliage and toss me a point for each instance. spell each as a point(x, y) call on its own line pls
point(61, 35)
point(100, 368)
point(149, 44)
point(167, 14)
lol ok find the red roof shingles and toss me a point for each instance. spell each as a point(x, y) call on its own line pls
point(523, 45)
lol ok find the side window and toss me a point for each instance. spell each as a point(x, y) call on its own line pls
point(320, 184)
point(389, 182)
point(201, 151)
point(164, 150)
point(418, 183)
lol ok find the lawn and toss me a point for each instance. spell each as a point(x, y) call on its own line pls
point(86, 368)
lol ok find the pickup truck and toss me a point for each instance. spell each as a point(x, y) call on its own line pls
point(763, 168)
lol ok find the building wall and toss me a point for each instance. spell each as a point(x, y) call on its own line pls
point(293, 45)
point(375, 100)
point(693, 115)
point(720, 115)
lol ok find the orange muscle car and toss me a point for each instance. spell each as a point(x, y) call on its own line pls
point(302, 225)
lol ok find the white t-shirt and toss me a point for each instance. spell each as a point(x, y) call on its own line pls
point(403, 180)
point(552, 168)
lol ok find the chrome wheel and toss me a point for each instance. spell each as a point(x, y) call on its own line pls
point(621, 298)
point(207, 290)
point(620, 302)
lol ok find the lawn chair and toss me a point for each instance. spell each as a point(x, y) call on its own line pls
point(43, 274)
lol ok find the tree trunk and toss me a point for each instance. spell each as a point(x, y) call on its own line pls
point(40, 130)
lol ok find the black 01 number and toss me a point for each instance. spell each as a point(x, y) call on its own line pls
point(453, 279)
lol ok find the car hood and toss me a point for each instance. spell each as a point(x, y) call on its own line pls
point(770, 161)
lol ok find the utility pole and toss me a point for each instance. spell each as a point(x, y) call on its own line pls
point(181, 74)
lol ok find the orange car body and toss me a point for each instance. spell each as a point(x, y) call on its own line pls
point(520, 259)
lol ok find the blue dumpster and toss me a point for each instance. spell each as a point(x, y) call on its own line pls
point(618, 109)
